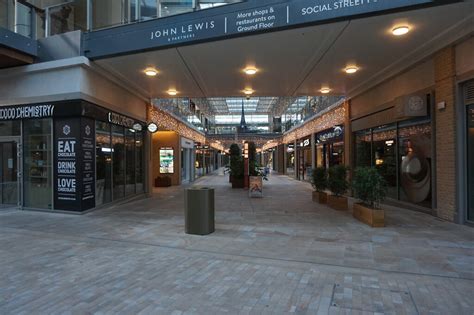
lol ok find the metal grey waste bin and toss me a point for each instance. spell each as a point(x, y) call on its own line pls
point(199, 210)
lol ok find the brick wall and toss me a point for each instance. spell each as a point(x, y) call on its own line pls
point(445, 76)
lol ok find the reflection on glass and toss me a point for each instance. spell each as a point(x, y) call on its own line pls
point(140, 155)
point(415, 163)
point(37, 165)
point(290, 159)
point(384, 156)
point(10, 128)
point(363, 148)
point(175, 7)
point(129, 161)
point(8, 173)
point(470, 159)
point(118, 147)
point(103, 164)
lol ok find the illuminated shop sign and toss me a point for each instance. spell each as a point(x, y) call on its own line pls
point(27, 111)
point(246, 20)
point(121, 120)
point(304, 143)
point(332, 134)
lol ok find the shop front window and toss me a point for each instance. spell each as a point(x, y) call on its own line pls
point(118, 163)
point(10, 128)
point(130, 162)
point(103, 164)
point(385, 156)
point(139, 160)
point(363, 148)
point(402, 155)
point(470, 158)
point(37, 163)
point(290, 159)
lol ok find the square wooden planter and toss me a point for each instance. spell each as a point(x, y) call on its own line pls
point(320, 197)
point(338, 203)
point(369, 216)
point(237, 182)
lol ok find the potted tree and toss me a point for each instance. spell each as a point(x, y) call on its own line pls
point(319, 181)
point(235, 156)
point(338, 185)
point(370, 188)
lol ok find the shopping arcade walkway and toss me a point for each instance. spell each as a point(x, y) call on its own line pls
point(278, 254)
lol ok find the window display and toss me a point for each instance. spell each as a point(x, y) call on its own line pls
point(166, 161)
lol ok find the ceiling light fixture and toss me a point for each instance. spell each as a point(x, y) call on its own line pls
point(325, 90)
point(351, 69)
point(248, 91)
point(400, 30)
point(151, 72)
point(250, 71)
point(172, 92)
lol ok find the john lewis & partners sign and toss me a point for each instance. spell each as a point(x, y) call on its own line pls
point(247, 17)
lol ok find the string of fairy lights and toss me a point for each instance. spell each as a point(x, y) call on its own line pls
point(325, 120)
point(167, 122)
point(318, 123)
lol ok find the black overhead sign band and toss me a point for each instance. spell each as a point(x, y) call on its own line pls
point(160, 33)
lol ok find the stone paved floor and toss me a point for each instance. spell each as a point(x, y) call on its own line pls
point(277, 255)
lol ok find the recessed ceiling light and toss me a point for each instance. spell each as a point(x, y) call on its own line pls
point(351, 69)
point(400, 30)
point(325, 90)
point(248, 91)
point(250, 71)
point(172, 92)
point(151, 72)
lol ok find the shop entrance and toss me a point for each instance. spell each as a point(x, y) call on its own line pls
point(9, 172)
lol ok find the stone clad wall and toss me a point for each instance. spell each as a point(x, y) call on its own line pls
point(445, 83)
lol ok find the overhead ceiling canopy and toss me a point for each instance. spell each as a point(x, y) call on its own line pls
point(296, 62)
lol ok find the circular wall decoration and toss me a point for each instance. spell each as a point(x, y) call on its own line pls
point(416, 177)
point(152, 127)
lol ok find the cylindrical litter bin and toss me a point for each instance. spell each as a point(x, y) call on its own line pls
point(199, 210)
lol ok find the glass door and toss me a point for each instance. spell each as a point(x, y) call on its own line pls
point(9, 179)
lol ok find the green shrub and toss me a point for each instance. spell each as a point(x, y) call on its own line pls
point(236, 165)
point(369, 186)
point(337, 181)
point(319, 179)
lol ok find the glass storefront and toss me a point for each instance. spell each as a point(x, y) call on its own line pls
point(290, 159)
point(54, 153)
point(304, 159)
point(119, 162)
point(37, 163)
point(330, 147)
point(384, 141)
point(103, 155)
point(401, 152)
point(470, 158)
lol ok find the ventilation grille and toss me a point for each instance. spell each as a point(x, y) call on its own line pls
point(469, 93)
